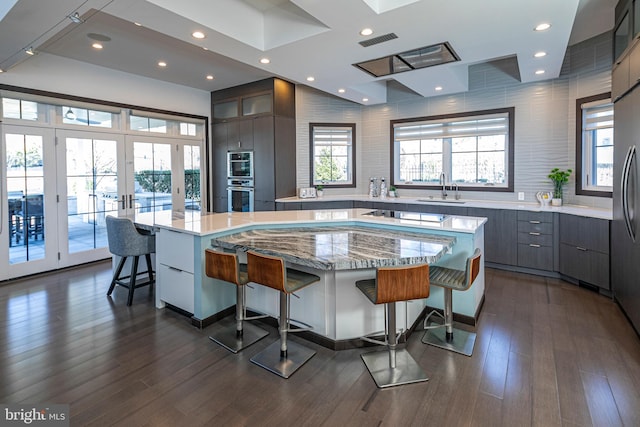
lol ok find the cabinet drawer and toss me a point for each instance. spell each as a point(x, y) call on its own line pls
point(535, 238)
point(535, 216)
point(534, 226)
point(175, 250)
point(175, 287)
point(532, 256)
point(586, 265)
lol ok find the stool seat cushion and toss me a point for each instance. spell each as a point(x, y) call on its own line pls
point(448, 278)
point(297, 279)
point(368, 288)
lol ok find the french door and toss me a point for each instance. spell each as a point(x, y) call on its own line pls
point(28, 218)
point(91, 185)
point(59, 186)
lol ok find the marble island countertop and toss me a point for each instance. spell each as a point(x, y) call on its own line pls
point(203, 224)
point(341, 247)
point(601, 213)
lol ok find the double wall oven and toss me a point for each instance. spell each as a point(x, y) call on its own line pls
point(240, 190)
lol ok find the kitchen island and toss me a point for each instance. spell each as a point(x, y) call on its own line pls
point(342, 246)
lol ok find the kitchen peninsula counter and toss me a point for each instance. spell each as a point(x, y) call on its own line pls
point(340, 245)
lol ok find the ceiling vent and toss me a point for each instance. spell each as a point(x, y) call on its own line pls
point(378, 40)
point(422, 57)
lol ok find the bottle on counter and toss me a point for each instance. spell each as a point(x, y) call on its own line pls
point(383, 188)
point(373, 187)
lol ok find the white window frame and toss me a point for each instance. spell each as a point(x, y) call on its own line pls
point(329, 135)
point(592, 113)
point(447, 127)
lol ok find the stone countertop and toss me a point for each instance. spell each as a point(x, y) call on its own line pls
point(199, 224)
point(341, 247)
point(578, 210)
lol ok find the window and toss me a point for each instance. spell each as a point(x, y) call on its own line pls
point(332, 154)
point(473, 150)
point(594, 145)
point(19, 109)
point(147, 124)
point(85, 117)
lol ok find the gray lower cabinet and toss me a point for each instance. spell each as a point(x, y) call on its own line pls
point(536, 240)
point(500, 235)
point(584, 250)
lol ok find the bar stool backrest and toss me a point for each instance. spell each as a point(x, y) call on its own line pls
point(125, 240)
point(473, 268)
point(402, 283)
point(267, 270)
point(222, 266)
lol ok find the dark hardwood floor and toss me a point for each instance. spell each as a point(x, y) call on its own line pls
point(548, 354)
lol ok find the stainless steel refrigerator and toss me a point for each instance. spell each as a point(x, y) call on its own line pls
point(625, 228)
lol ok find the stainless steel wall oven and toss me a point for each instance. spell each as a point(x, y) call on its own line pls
point(240, 164)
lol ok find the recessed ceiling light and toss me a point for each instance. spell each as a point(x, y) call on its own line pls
point(97, 46)
point(198, 35)
point(162, 64)
point(29, 51)
point(265, 60)
point(1, 70)
point(438, 88)
point(366, 32)
point(542, 27)
point(209, 77)
point(311, 79)
point(341, 91)
point(365, 99)
point(137, 24)
point(540, 72)
point(540, 54)
point(205, 48)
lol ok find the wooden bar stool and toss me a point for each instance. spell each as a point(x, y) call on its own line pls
point(393, 284)
point(224, 266)
point(282, 357)
point(445, 335)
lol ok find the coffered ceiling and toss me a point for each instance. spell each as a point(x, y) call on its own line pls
point(300, 38)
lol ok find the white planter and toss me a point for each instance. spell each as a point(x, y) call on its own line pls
point(319, 193)
point(556, 202)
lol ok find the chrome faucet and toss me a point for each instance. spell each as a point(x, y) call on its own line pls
point(443, 181)
point(454, 186)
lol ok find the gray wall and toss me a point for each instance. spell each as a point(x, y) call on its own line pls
point(544, 121)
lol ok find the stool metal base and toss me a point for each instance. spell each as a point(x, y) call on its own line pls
point(269, 358)
point(461, 342)
point(407, 370)
point(225, 334)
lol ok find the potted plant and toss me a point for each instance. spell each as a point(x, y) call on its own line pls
point(559, 179)
point(392, 191)
point(319, 190)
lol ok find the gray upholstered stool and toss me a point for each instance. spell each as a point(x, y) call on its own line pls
point(445, 335)
point(393, 284)
point(224, 266)
point(282, 357)
point(126, 241)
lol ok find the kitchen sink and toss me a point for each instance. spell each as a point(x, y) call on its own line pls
point(457, 202)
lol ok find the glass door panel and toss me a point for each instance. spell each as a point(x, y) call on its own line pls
point(91, 177)
point(92, 191)
point(25, 190)
point(28, 205)
point(193, 198)
point(152, 174)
